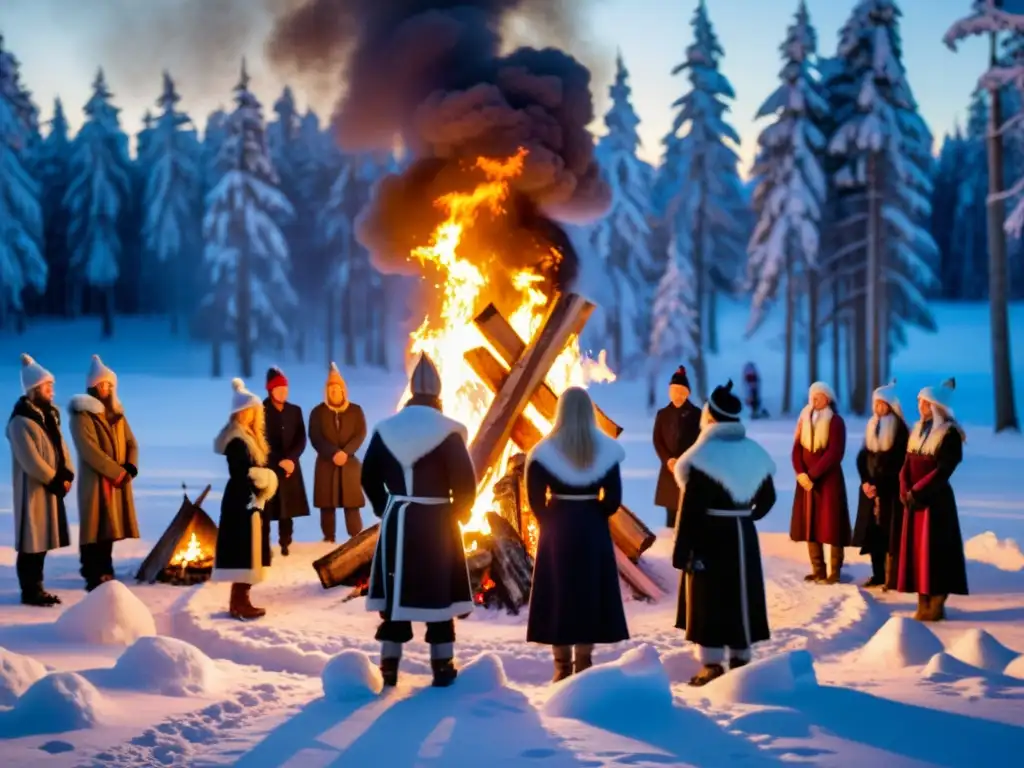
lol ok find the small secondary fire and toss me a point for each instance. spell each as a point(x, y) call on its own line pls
point(193, 554)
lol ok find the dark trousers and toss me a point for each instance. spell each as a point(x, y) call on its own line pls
point(670, 516)
point(285, 531)
point(328, 522)
point(438, 632)
point(30, 572)
point(97, 561)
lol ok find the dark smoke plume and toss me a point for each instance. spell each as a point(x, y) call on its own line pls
point(432, 72)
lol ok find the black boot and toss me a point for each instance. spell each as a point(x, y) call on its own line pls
point(39, 598)
point(444, 672)
point(706, 675)
point(389, 671)
point(736, 663)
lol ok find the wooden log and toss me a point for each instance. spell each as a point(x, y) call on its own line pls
point(643, 586)
point(349, 563)
point(494, 375)
point(566, 317)
point(510, 347)
point(511, 564)
point(630, 534)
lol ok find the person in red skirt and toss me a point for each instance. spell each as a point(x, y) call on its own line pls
point(931, 559)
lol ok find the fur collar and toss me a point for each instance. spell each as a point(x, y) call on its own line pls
point(26, 409)
point(90, 404)
point(607, 454)
point(812, 428)
point(724, 453)
point(884, 440)
point(930, 445)
point(415, 431)
point(232, 432)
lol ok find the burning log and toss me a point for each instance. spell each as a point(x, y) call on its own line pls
point(184, 553)
point(491, 373)
point(349, 565)
point(511, 565)
point(630, 534)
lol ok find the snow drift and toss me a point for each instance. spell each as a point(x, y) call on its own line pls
point(901, 642)
point(1015, 668)
point(635, 683)
point(17, 673)
point(978, 648)
point(484, 674)
point(63, 701)
point(109, 615)
point(166, 666)
point(351, 676)
point(988, 548)
point(765, 681)
point(944, 667)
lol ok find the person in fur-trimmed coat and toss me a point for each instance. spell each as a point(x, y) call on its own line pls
point(726, 484)
point(879, 509)
point(41, 476)
point(574, 485)
point(419, 478)
point(243, 536)
point(108, 456)
point(931, 554)
point(821, 513)
point(675, 429)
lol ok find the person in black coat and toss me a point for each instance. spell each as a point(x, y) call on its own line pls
point(675, 429)
point(574, 485)
point(243, 535)
point(419, 478)
point(726, 484)
point(286, 436)
point(879, 509)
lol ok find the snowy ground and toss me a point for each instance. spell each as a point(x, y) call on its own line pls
point(846, 678)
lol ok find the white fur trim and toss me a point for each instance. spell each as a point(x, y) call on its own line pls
point(886, 437)
point(265, 481)
point(724, 453)
point(233, 431)
point(931, 445)
point(607, 454)
point(812, 428)
point(85, 404)
point(820, 387)
point(415, 431)
point(253, 575)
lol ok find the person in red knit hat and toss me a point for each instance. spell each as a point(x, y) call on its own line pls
point(286, 436)
point(675, 429)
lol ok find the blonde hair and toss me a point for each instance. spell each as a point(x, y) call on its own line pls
point(256, 429)
point(575, 430)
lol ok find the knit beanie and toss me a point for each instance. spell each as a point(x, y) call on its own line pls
point(33, 374)
point(821, 388)
point(941, 395)
point(242, 397)
point(887, 395)
point(276, 378)
point(99, 372)
point(724, 405)
point(425, 378)
point(679, 378)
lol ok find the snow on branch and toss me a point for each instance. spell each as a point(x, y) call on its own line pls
point(987, 19)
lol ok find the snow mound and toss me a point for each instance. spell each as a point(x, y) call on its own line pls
point(17, 673)
point(978, 648)
point(635, 683)
point(62, 701)
point(943, 666)
point(901, 642)
point(484, 674)
point(988, 548)
point(109, 615)
point(167, 666)
point(351, 676)
point(680, 665)
point(765, 680)
point(1015, 668)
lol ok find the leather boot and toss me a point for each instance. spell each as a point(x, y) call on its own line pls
point(584, 658)
point(706, 675)
point(444, 672)
point(836, 565)
point(241, 608)
point(389, 671)
point(562, 655)
point(922, 608)
point(934, 608)
point(817, 555)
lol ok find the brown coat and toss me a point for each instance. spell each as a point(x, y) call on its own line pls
point(105, 513)
point(330, 431)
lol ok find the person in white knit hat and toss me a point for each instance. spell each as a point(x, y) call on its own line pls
point(418, 475)
point(879, 509)
point(821, 514)
point(41, 476)
point(108, 463)
point(243, 537)
point(931, 552)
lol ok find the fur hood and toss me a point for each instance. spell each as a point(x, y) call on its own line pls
point(90, 404)
point(231, 432)
point(415, 431)
point(608, 453)
point(724, 453)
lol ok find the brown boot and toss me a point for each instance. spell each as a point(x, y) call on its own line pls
point(835, 565)
point(706, 675)
point(935, 608)
point(922, 608)
point(584, 658)
point(817, 554)
point(241, 608)
point(562, 655)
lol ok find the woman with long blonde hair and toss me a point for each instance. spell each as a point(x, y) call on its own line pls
point(243, 538)
point(574, 485)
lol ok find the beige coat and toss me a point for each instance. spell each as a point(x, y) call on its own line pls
point(40, 522)
point(105, 513)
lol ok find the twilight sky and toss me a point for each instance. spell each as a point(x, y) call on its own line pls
point(61, 43)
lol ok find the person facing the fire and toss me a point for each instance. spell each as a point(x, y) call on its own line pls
point(243, 536)
point(108, 457)
point(931, 552)
point(574, 485)
point(286, 436)
point(676, 427)
point(41, 476)
point(419, 478)
point(337, 429)
point(821, 514)
point(879, 509)
point(726, 484)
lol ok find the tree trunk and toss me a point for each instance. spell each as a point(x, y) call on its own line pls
point(701, 288)
point(859, 341)
point(787, 364)
point(108, 312)
point(812, 325)
point(174, 288)
point(332, 318)
point(348, 322)
point(713, 321)
point(837, 340)
point(1002, 370)
point(872, 317)
point(19, 323)
point(243, 302)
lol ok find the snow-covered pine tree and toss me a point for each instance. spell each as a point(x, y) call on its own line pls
point(968, 237)
point(948, 170)
point(790, 194)
point(170, 201)
point(22, 266)
point(95, 199)
point(245, 249)
point(701, 167)
point(674, 333)
point(622, 239)
point(52, 166)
